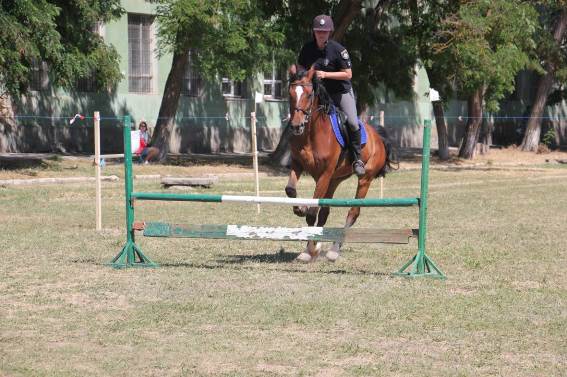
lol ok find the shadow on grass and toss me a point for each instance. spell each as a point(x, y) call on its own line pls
point(285, 262)
point(278, 257)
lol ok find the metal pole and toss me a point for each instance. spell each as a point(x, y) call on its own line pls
point(127, 256)
point(128, 180)
point(423, 197)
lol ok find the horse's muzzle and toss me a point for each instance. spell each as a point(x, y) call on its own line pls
point(297, 129)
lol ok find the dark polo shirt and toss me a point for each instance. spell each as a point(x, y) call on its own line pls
point(333, 58)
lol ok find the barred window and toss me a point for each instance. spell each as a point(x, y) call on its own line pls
point(192, 80)
point(140, 41)
point(39, 77)
point(273, 83)
point(231, 88)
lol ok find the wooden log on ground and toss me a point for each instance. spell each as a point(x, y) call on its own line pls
point(41, 181)
point(189, 181)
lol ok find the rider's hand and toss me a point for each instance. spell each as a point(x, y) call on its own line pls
point(321, 74)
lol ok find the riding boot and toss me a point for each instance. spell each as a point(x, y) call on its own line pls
point(355, 149)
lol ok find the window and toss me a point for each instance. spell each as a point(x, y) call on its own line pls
point(140, 46)
point(273, 83)
point(231, 88)
point(192, 80)
point(39, 79)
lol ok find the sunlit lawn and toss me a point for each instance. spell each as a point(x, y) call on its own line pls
point(244, 308)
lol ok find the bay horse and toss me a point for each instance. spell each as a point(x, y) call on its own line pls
point(315, 150)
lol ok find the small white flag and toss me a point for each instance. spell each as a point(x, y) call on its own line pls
point(77, 116)
point(259, 97)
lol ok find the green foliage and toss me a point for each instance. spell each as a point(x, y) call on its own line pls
point(382, 55)
point(381, 46)
point(232, 38)
point(549, 138)
point(60, 33)
point(484, 45)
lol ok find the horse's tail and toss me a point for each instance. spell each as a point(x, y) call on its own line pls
point(392, 157)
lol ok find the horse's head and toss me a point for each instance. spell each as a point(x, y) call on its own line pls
point(301, 97)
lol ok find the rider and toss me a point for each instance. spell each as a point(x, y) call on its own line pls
point(334, 68)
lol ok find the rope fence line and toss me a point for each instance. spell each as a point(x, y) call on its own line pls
point(386, 117)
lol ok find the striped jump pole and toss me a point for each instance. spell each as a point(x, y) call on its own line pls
point(419, 266)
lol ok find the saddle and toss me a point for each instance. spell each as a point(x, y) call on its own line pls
point(338, 122)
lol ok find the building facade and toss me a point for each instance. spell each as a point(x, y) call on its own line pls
point(212, 116)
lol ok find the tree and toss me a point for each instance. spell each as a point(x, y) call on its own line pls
point(553, 54)
point(60, 34)
point(425, 21)
point(377, 41)
point(221, 34)
point(481, 48)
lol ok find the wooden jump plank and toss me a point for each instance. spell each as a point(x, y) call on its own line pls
point(395, 236)
point(189, 181)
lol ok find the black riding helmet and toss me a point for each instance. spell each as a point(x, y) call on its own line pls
point(323, 23)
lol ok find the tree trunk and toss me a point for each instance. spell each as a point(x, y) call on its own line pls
point(7, 123)
point(379, 11)
point(282, 155)
point(442, 136)
point(474, 122)
point(533, 129)
point(169, 103)
point(347, 11)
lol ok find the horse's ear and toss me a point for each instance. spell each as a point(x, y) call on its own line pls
point(292, 70)
point(311, 72)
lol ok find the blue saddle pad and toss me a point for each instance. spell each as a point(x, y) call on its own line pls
point(336, 130)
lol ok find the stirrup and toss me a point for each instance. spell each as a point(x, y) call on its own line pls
point(358, 167)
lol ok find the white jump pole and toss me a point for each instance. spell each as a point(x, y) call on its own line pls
point(97, 171)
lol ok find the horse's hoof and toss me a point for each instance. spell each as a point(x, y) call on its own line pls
point(290, 192)
point(314, 250)
point(300, 211)
point(304, 257)
point(332, 255)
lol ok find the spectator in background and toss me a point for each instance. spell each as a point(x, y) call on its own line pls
point(145, 151)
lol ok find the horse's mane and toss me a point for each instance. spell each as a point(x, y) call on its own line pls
point(323, 96)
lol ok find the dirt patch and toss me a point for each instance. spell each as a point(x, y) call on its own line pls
point(504, 158)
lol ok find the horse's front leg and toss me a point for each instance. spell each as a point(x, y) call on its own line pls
point(361, 191)
point(313, 247)
point(290, 188)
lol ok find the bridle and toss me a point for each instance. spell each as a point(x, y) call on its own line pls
point(307, 110)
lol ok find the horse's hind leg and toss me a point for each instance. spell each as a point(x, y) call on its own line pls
point(353, 213)
point(290, 188)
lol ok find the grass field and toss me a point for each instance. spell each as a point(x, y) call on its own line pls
point(244, 308)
